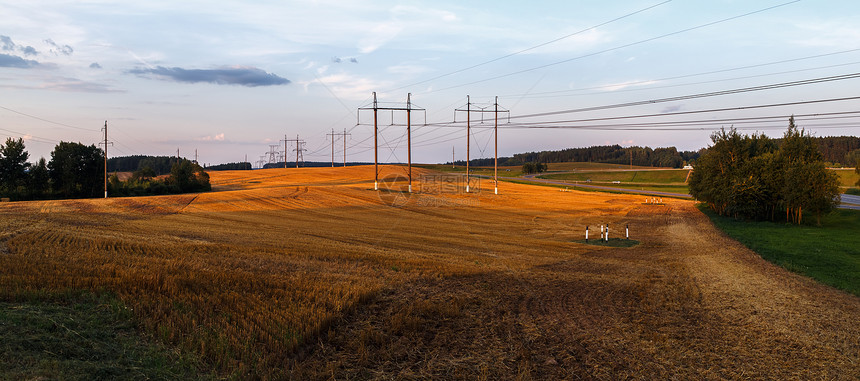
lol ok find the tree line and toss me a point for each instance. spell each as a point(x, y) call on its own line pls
point(611, 154)
point(76, 170)
point(753, 177)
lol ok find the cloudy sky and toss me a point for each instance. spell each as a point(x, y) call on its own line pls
point(228, 79)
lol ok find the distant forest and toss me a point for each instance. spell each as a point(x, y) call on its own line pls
point(243, 166)
point(836, 150)
point(159, 164)
point(614, 154)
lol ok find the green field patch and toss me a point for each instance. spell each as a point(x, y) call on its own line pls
point(573, 166)
point(82, 338)
point(847, 177)
point(829, 253)
point(668, 176)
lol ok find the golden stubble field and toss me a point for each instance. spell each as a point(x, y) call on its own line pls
point(311, 274)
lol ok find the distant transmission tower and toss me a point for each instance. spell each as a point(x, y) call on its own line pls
point(273, 153)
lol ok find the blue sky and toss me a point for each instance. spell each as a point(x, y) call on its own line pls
point(229, 78)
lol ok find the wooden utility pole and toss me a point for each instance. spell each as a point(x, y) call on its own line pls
point(376, 109)
point(496, 133)
point(453, 157)
point(481, 110)
point(409, 136)
point(298, 149)
point(375, 146)
point(344, 135)
point(332, 147)
point(344, 147)
point(106, 143)
point(106, 155)
point(468, 126)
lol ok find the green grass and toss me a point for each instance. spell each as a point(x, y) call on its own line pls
point(853, 191)
point(847, 177)
point(80, 337)
point(484, 171)
point(571, 166)
point(682, 189)
point(829, 253)
point(651, 177)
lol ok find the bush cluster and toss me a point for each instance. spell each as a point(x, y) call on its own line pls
point(750, 177)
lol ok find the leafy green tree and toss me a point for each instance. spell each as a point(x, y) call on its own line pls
point(145, 173)
point(857, 171)
point(529, 168)
point(749, 177)
point(77, 170)
point(13, 167)
point(39, 180)
point(185, 176)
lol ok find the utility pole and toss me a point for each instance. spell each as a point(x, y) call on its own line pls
point(376, 109)
point(332, 147)
point(468, 126)
point(409, 136)
point(344, 146)
point(453, 158)
point(375, 145)
point(106, 143)
point(195, 157)
point(496, 136)
point(298, 149)
point(344, 135)
point(482, 110)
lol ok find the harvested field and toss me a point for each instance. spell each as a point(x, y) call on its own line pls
point(310, 274)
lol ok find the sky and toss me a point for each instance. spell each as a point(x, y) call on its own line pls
point(229, 79)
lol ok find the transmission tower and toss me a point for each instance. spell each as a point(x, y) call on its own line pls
point(273, 153)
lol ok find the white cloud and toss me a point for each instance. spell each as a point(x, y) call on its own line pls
point(828, 34)
point(624, 85)
point(351, 87)
point(379, 36)
point(216, 138)
point(410, 70)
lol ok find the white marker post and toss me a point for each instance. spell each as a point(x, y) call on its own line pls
point(627, 230)
point(601, 232)
point(586, 234)
point(607, 232)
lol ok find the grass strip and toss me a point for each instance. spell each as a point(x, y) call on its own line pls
point(829, 253)
point(84, 337)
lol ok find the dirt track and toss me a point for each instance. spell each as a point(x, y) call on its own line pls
point(688, 303)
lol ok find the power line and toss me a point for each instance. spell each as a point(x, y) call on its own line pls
point(615, 48)
point(46, 120)
point(531, 48)
point(699, 95)
point(548, 93)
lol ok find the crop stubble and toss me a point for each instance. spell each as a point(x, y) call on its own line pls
point(305, 273)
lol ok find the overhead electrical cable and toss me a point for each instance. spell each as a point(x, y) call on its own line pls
point(537, 94)
point(613, 48)
point(530, 48)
